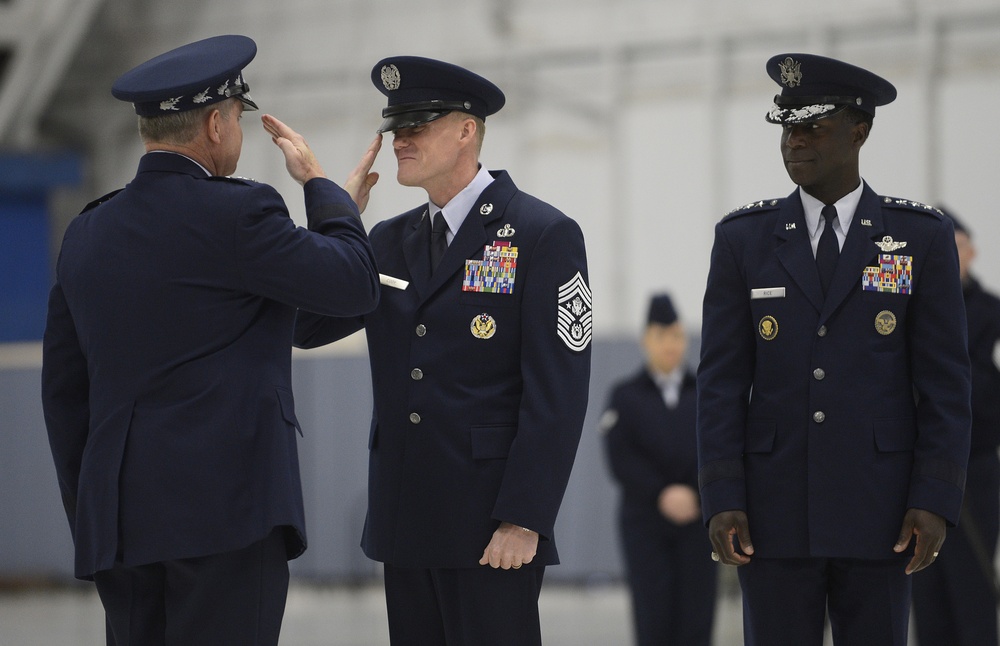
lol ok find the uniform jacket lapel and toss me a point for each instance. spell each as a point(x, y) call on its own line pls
point(416, 252)
point(794, 250)
point(858, 252)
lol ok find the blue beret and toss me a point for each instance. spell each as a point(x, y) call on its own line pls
point(813, 87)
point(661, 310)
point(422, 89)
point(191, 76)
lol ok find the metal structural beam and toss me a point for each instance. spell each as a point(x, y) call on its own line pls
point(42, 37)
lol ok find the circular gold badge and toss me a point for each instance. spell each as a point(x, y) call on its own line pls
point(768, 328)
point(885, 322)
point(483, 326)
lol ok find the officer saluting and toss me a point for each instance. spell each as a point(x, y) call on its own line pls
point(480, 357)
point(166, 375)
point(834, 383)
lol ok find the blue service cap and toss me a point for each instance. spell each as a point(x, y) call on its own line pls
point(661, 310)
point(422, 90)
point(814, 87)
point(191, 76)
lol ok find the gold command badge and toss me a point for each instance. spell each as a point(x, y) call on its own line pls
point(483, 326)
point(885, 322)
point(768, 328)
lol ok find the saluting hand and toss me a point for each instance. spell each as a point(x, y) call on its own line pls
point(361, 180)
point(930, 530)
point(510, 547)
point(300, 161)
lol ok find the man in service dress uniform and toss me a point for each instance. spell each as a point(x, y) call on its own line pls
point(480, 358)
point(166, 375)
point(649, 437)
point(834, 384)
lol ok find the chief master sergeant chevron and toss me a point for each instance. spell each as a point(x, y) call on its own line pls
point(834, 383)
point(480, 358)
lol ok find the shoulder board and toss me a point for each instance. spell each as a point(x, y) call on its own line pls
point(899, 203)
point(101, 200)
point(246, 181)
point(754, 207)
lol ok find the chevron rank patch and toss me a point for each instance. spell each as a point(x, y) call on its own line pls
point(574, 323)
point(893, 275)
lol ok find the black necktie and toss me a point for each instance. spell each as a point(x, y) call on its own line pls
point(439, 240)
point(828, 249)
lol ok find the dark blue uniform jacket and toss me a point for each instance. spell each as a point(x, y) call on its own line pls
point(479, 398)
point(825, 420)
point(167, 356)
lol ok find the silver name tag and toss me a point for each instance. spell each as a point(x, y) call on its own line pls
point(767, 292)
point(390, 281)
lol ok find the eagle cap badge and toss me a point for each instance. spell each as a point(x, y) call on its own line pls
point(791, 72)
point(390, 77)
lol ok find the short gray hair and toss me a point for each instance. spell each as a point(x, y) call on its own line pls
point(179, 127)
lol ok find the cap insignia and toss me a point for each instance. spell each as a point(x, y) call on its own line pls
point(390, 77)
point(170, 104)
point(791, 74)
point(201, 97)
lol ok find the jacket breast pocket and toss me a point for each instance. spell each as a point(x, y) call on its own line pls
point(487, 301)
point(492, 442)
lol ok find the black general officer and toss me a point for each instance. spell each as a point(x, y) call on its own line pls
point(649, 437)
point(167, 358)
point(955, 602)
point(480, 357)
point(833, 414)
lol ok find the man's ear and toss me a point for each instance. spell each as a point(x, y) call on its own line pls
point(860, 133)
point(213, 126)
point(469, 128)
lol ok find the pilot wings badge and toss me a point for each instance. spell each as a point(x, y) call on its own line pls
point(888, 244)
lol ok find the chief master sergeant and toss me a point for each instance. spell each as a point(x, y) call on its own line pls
point(834, 383)
point(480, 357)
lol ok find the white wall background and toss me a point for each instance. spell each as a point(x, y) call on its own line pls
point(642, 120)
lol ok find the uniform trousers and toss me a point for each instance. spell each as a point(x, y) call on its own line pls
point(229, 599)
point(478, 606)
point(786, 601)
